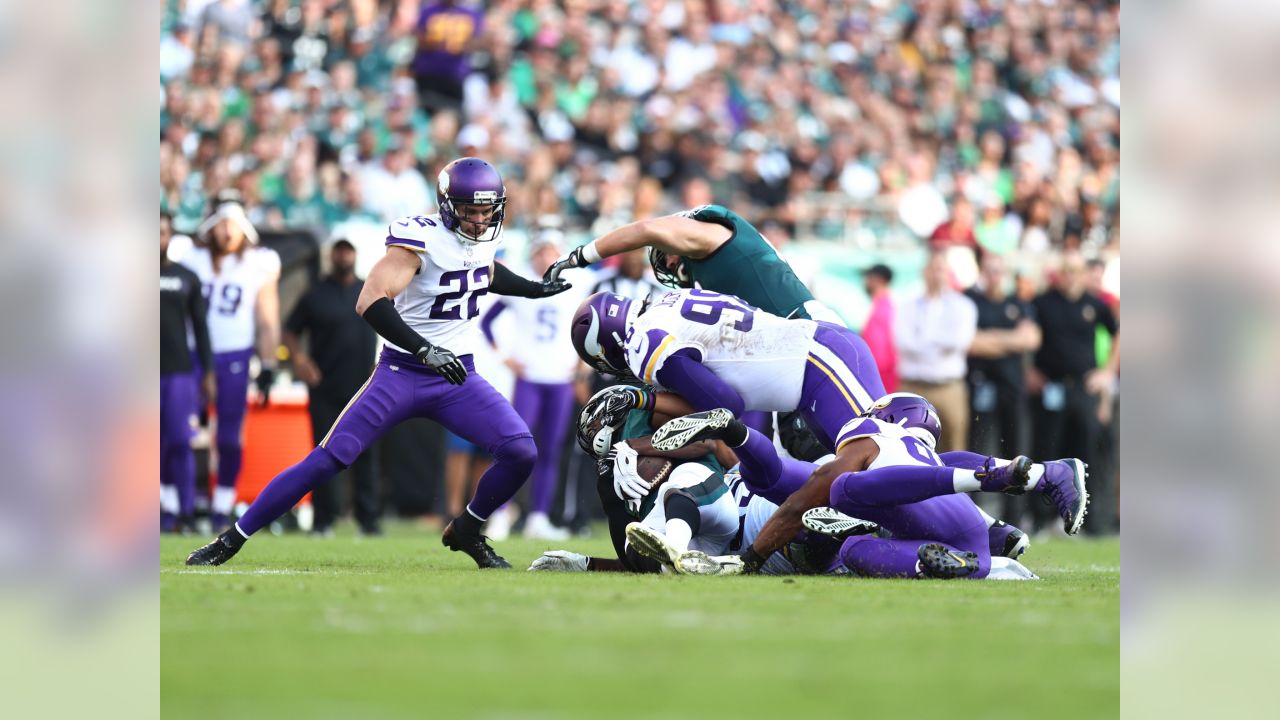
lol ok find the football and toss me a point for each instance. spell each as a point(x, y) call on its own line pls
point(655, 470)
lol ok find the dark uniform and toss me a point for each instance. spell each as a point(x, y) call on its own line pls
point(997, 391)
point(747, 266)
point(342, 345)
point(182, 314)
point(1066, 416)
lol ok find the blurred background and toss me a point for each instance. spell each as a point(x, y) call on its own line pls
point(868, 141)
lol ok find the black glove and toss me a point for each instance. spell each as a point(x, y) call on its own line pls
point(266, 376)
point(443, 362)
point(554, 287)
point(751, 561)
point(572, 260)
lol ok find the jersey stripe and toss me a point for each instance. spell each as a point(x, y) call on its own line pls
point(414, 245)
point(651, 367)
point(846, 377)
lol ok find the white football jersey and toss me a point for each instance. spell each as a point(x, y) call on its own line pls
point(761, 356)
point(538, 334)
point(442, 302)
point(232, 292)
point(898, 445)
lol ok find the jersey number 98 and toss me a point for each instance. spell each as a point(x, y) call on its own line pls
point(707, 307)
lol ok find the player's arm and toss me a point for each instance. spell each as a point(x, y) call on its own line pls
point(673, 234)
point(268, 322)
point(683, 372)
point(388, 278)
point(506, 282)
point(199, 313)
point(816, 492)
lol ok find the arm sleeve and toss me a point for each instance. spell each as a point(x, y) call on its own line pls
point(684, 373)
point(487, 319)
point(1107, 318)
point(385, 321)
point(506, 282)
point(200, 326)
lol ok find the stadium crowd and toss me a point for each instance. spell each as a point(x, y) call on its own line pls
point(966, 129)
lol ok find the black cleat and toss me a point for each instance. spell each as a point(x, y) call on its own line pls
point(476, 547)
point(1007, 540)
point(223, 548)
point(938, 561)
point(718, 424)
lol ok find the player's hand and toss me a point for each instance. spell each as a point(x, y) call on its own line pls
point(209, 386)
point(306, 370)
point(552, 287)
point(266, 376)
point(443, 362)
point(571, 259)
point(627, 483)
point(515, 366)
point(559, 561)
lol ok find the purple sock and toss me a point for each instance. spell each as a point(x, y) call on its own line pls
point(229, 455)
point(766, 473)
point(286, 489)
point(895, 485)
point(963, 459)
point(872, 556)
point(180, 471)
point(512, 463)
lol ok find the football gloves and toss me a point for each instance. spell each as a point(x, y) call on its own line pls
point(627, 483)
point(571, 259)
point(559, 561)
point(443, 362)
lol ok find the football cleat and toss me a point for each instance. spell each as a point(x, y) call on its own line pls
point(1007, 540)
point(652, 544)
point(474, 546)
point(222, 549)
point(695, 562)
point(835, 524)
point(1010, 479)
point(939, 561)
point(710, 424)
point(1064, 483)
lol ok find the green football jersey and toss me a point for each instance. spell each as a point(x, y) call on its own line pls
point(637, 425)
point(747, 266)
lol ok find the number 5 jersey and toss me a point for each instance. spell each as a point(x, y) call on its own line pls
point(232, 292)
point(444, 297)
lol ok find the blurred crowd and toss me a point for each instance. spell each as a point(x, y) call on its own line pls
point(983, 131)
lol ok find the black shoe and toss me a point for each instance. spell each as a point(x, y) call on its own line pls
point(1007, 540)
point(937, 561)
point(718, 424)
point(222, 549)
point(476, 547)
point(371, 531)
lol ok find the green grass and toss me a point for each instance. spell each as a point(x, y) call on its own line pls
point(400, 628)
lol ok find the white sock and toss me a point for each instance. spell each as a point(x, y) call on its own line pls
point(965, 481)
point(1037, 472)
point(224, 500)
point(989, 520)
point(679, 534)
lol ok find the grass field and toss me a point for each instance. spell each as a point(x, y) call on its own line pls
point(398, 627)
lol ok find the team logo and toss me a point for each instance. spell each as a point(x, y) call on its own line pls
point(443, 181)
point(1011, 312)
point(1088, 313)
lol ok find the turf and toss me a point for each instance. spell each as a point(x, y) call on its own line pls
point(398, 627)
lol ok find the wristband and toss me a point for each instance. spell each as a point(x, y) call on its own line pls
point(590, 254)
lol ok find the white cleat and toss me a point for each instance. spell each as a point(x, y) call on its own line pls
point(699, 563)
point(835, 524)
point(653, 545)
point(537, 526)
point(681, 431)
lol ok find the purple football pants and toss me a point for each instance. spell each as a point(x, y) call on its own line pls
point(840, 381)
point(179, 398)
point(545, 408)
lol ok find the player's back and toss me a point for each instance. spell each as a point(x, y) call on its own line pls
point(747, 266)
point(898, 447)
point(442, 300)
point(231, 292)
point(758, 354)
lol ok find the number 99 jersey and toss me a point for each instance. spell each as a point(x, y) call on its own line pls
point(759, 355)
point(443, 299)
point(232, 292)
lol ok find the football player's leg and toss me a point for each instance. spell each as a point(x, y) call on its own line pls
point(768, 474)
point(841, 381)
point(232, 373)
point(897, 485)
point(871, 556)
point(553, 422)
point(478, 413)
point(178, 401)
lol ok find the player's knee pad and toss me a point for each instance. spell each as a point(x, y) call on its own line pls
point(342, 448)
point(324, 461)
point(518, 451)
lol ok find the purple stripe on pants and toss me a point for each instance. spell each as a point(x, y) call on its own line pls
point(545, 408)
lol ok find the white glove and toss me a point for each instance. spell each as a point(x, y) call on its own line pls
point(627, 483)
point(559, 561)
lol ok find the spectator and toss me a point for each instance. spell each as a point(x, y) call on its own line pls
point(447, 34)
point(933, 333)
point(879, 328)
point(393, 187)
point(959, 229)
point(1007, 331)
point(1071, 392)
point(340, 348)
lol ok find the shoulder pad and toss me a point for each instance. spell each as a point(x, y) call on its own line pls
point(864, 427)
point(413, 231)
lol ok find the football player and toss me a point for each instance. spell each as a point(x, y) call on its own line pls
point(690, 514)
point(423, 298)
point(240, 281)
point(899, 483)
point(715, 248)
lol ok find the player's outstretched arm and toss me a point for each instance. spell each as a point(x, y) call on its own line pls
point(683, 373)
point(506, 282)
point(388, 278)
point(673, 234)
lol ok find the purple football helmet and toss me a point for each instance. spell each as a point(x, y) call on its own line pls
point(911, 411)
point(599, 330)
point(471, 182)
